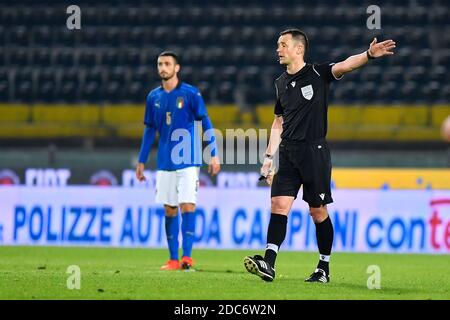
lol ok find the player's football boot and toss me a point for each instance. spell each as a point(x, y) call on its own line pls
point(187, 263)
point(257, 265)
point(318, 276)
point(171, 265)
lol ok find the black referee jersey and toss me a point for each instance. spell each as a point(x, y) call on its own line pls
point(302, 100)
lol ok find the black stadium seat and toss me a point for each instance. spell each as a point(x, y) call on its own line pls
point(45, 85)
point(92, 86)
point(438, 73)
point(141, 75)
point(410, 92)
point(135, 92)
point(132, 57)
point(137, 36)
point(42, 57)
point(88, 57)
point(113, 36)
point(23, 85)
point(9, 16)
point(69, 83)
point(42, 36)
point(110, 57)
point(444, 93)
point(4, 85)
point(65, 37)
point(63, 57)
point(18, 36)
point(51, 15)
point(19, 57)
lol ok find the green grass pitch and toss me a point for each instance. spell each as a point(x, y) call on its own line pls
point(110, 273)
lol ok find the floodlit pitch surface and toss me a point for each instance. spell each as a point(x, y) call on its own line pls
point(107, 273)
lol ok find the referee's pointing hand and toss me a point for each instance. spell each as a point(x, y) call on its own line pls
point(381, 49)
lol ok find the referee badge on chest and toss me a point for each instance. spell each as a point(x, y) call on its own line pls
point(307, 92)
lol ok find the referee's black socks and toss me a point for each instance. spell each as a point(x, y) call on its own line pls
point(324, 236)
point(275, 237)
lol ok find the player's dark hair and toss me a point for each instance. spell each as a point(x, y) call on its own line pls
point(170, 54)
point(298, 35)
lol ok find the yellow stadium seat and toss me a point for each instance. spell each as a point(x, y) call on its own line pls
point(265, 115)
point(66, 114)
point(223, 113)
point(49, 130)
point(393, 178)
point(377, 115)
point(14, 113)
point(123, 114)
point(352, 122)
point(438, 114)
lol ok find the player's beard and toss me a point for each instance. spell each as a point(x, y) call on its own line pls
point(167, 76)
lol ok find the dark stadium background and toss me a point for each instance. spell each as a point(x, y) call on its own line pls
point(75, 98)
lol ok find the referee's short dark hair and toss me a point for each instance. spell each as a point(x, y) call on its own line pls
point(298, 35)
point(170, 54)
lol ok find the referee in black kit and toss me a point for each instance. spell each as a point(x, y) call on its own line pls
point(299, 129)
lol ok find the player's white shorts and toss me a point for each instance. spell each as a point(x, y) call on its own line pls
point(179, 186)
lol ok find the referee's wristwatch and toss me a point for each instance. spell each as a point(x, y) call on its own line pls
point(369, 56)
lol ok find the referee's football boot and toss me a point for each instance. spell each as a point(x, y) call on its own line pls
point(257, 265)
point(318, 276)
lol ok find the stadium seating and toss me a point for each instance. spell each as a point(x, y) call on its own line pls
point(222, 44)
point(369, 123)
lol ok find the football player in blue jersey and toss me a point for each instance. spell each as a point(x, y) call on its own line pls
point(174, 109)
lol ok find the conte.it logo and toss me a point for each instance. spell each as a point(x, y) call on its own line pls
point(440, 224)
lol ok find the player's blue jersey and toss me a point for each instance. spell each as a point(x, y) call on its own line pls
point(180, 108)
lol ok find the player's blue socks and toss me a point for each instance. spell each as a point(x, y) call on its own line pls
point(188, 230)
point(172, 227)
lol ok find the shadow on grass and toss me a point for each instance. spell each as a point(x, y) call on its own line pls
point(229, 271)
point(363, 287)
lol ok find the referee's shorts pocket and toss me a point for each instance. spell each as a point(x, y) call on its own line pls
point(317, 184)
point(320, 161)
point(287, 181)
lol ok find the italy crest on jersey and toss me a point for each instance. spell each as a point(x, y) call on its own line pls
point(180, 102)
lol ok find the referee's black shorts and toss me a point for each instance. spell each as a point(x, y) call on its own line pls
point(307, 164)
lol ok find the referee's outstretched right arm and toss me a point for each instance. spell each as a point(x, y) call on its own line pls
point(375, 50)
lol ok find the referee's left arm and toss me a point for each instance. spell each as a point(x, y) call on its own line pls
point(375, 50)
